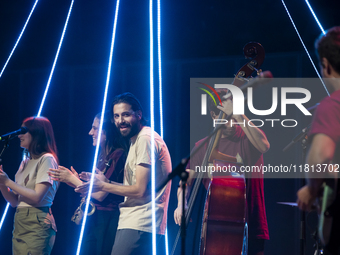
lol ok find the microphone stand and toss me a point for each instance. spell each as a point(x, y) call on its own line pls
point(184, 177)
point(302, 136)
point(179, 170)
point(297, 138)
point(302, 213)
point(6, 145)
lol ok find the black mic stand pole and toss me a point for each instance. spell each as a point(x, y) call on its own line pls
point(184, 177)
point(303, 137)
point(180, 171)
point(6, 145)
point(303, 213)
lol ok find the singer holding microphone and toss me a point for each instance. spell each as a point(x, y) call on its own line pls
point(102, 225)
point(33, 190)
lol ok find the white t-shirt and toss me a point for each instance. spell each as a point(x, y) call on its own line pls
point(136, 213)
point(34, 171)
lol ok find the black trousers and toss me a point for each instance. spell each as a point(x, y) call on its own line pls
point(100, 233)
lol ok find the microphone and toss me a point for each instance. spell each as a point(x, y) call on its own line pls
point(11, 135)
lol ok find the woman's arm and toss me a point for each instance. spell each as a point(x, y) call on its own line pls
point(41, 184)
point(9, 195)
point(100, 195)
point(65, 175)
point(96, 194)
point(117, 160)
point(29, 196)
point(6, 192)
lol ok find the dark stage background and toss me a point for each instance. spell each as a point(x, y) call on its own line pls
point(200, 39)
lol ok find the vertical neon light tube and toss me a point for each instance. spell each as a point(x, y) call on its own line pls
point(17, 42)
point(160, 65)
point(153, 185)
point(4, 215)
point(100, 127)
point(303, 44)
point(316, 18)
point(49, 80)
point(55, 59)
point(161, 92)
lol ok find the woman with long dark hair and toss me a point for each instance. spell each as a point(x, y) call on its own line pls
point(102, 225)
point(33, 191)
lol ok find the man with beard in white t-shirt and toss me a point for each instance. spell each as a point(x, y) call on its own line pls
point(134, 234)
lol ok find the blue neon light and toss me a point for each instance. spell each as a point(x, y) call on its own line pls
point(55, 59)
point(161, 93)
point(316, 70)
point(100, 127)
point(4, 215)
point(160, 66)
point(17, 42)
point(153, 184)
point(316, 19)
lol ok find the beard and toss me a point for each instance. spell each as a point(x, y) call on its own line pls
point(130, 131)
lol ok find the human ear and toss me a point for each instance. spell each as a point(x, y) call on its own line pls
point(139, 115)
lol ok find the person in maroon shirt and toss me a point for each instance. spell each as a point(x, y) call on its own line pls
point(324, 135)
point(247, 143)
point(101, 227)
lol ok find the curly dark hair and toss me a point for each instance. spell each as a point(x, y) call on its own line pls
point(328, 46)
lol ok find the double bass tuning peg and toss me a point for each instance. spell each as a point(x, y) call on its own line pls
point(241, 76)
point(259, 71)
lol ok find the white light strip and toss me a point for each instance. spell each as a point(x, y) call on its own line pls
point(100, 127)
point(160, 66)
point(161, 93)
point(316, 19)
point(55, 59)
point(17, 42)
point(153, 185)
point(4, 215)
point(316, 70)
